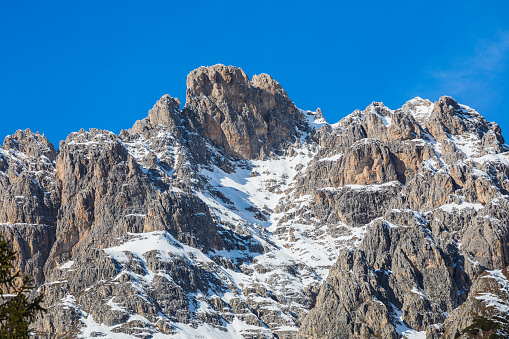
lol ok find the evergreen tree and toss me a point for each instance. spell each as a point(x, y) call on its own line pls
point(16, 309)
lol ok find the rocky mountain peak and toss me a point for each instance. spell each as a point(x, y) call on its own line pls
point(447, 105)
point(267, 83)
point(215, 81)
point(377, 104)
point(319, 114)
point(449, 118)
point(248, 119)
point(30, 144)
point(419, 108)
point(165, 111)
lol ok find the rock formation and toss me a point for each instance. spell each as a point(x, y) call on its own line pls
point(239, 215)
point(245, 118)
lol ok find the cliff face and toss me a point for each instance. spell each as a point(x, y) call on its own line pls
point(246, 118)
point(240, 215)
point(29, 199)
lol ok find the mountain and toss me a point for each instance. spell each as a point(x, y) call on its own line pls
point(243, 216)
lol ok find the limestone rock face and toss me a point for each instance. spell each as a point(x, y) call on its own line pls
point(397, 273)
point(246, 118)
point(242, 216)
point(106, 196)
point(166, 112)
point(485, 311)
point(28, 193)
point(365, 162)
point(449, 118)
point(29, 199)
point(30, 144)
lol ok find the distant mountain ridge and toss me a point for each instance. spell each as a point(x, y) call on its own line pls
point(240, 215)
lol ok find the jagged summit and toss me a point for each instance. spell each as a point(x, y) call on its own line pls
point(251, 118)
point(246, 118)
point(30, 144)
point(165, 111)
point(419, 108)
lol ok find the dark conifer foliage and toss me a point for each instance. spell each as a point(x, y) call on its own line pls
point(17, 309)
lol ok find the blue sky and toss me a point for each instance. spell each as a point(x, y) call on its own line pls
point(68, 65)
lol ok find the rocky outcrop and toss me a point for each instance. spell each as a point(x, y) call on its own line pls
point(32, 244)
point(29, 199)
point(28, 192)
point(246, 118)
point(399, 277)
point(365, 162)
point(485, 313)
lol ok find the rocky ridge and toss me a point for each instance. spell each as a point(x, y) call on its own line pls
point(241, 215)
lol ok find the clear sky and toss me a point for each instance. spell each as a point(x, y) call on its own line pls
point(67, 65)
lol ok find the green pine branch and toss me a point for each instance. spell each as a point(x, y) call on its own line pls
point(17, 311)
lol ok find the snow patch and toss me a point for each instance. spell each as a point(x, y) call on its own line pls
point(66, 265)
point(453, 207)
point(404, 330)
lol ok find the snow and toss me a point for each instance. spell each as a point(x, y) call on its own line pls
point(412, 334)
point(478, 173)
point(356, 236)
point(160, 241)
point(114, 306)
point(313, 251)
point(500, 278)
point(235, 329)
point(404, 330)
point(334, 157)
point(313, 119)
point(453, 207)
point(493, 158)
point(244, 190)
point(91, 329)
point(337, 126)
point(139, 215)
point(386, 120)
point(422, 109)
point(66, 265)
point(68, 302)
point(418, 291)
point(373, 187)
point(473, 262)
point(468, 144)
point(493, 300)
